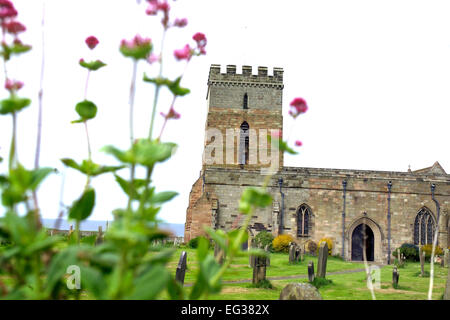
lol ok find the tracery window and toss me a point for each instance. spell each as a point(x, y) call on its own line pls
point(424, 227)
point(303, 219)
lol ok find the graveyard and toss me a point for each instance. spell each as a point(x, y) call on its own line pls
point(348, 279)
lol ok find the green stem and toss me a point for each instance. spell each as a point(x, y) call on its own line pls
point(132, 94)
point(77, 231)
point(12, 150)
point(155, 98)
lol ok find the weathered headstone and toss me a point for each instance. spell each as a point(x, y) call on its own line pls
point(302, 252)
point(311, 271)
point(297, 253)
point(291, 253)
point(70, 229)
point(259, 270)
point(300, 291)
point(422, 261)
point(181, 268)
point(395, 277)
point(99, 239)
point(251, 258)
point(322, 261)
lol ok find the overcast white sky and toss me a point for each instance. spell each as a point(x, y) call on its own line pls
point(375, 74)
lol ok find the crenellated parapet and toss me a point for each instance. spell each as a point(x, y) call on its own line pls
point(246, 78)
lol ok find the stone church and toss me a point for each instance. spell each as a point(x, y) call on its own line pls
point(390, 208)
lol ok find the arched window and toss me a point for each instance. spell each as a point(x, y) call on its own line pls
point(424, 227)
point(245, 106)
point(303, 219)
point(244, 143)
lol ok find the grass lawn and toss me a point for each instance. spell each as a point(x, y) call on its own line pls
point(350, 286)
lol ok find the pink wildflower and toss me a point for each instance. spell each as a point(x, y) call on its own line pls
point(13, 85)
point(7, 9)
point(298, 106)
point(136, 42)
point(180, 22)
point(91, 42)
point(172, 114)
point(298, 143)
point(153, 58)
point(185, 53)
point(13, 27)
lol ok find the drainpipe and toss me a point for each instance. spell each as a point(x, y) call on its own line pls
point(389, 186)
point(344, 186)
point(433, 187)
point(280, 184)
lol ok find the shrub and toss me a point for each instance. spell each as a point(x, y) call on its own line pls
point(311, 247)
point(193, 243)
point(281, 243)
point(263, 284)
point(409, 251)
point(427, 248)
point(329, 243)
point(264, 238)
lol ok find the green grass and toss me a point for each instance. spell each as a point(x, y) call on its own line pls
point(350, 286)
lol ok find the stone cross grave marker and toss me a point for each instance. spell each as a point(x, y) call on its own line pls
point(259, 270)
point(311, 271)
point(181, 268)
point(395, 277)
point(422, 261)
point(322, 261)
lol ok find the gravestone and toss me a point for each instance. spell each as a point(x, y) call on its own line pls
point(395, 277)
point(422, 261)
point(300, 291)
point(259, 270)
point(291, 253)
point(297, 253)
point(322, 261)
point(302, 252)
point(219, 254)
point(181, 268)
point(99, 239)
point(311, 271)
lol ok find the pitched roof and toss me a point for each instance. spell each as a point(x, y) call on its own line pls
point(436, 168)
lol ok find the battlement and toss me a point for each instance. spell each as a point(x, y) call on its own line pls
point(246, 77)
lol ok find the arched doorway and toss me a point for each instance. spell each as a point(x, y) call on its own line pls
point(363, 237)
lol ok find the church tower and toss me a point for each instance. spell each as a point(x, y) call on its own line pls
point(243, 109)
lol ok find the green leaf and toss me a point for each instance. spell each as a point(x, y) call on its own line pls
point(137, 52)
point(82, 208)
point(86, 110)
point(159, 81)
point(38, 175)
point(175, 88)
point(92, 65)
point(71, 163)
point(150, 284)
point(162, 197)
point(282, 145)
point(202, 248)
point(89, 240)
point(149, 152)
point(254, 197)
point(126, 187)
point(89, 167)
point(13, 104)
point(122, 156)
